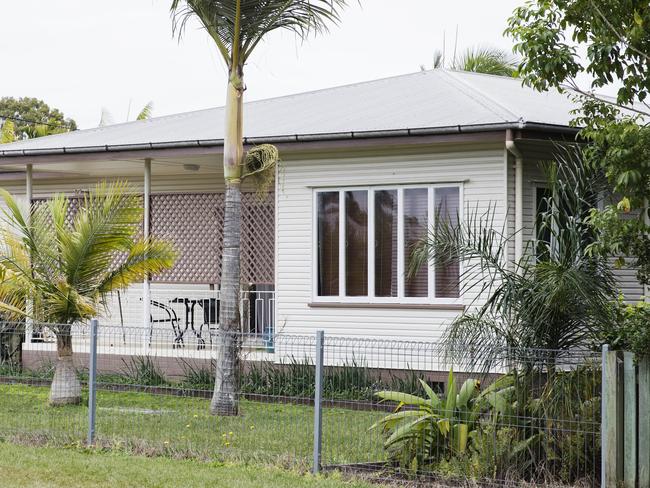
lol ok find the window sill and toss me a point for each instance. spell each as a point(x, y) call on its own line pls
point(397, 306)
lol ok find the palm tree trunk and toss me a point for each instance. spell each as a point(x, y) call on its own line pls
point(224, 399)
point(66, 388)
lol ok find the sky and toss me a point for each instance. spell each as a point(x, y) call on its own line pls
point(84, 55)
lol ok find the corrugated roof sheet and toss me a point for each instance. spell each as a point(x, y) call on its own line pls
point(427, 99)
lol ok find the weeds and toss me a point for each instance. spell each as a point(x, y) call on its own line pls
point(142, 370)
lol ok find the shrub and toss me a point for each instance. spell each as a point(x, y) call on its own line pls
point(424, 430)
point(141, 370)
point(632, 329)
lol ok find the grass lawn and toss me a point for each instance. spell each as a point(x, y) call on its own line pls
point(71, 468)
point(180, 427)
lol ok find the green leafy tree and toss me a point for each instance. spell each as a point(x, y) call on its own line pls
point(69, 269)
point(551, 37)
point(30, 117)
point(237, 27)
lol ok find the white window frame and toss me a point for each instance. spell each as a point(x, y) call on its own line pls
point(371, 298)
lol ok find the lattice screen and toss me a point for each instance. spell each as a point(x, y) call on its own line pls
point(194, 222)
point(258, 238)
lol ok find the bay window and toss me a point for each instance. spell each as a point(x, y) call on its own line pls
point(365, 238)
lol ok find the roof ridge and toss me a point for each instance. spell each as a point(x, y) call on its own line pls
point(482, 97)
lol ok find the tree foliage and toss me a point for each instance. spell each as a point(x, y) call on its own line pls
point(481, 59)
point(237, 26)
point(67, 268)
point(610, 41)
point(70, 267)
point(31, 117)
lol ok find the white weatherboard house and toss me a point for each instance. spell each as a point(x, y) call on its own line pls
point(365, 169)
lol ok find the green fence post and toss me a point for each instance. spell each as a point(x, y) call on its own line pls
point(608, 441)
point(644, 423)
point(629, 420)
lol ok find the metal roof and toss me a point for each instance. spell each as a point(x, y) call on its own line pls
point(424, 102)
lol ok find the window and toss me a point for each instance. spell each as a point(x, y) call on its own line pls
point(328, 243)
point(365, 238)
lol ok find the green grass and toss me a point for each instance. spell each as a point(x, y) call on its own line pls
point(181, 427)
point(22, 466)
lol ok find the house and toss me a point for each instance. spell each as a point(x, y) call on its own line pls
point(365, 168)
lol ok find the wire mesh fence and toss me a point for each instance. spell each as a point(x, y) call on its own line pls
point(390, 408)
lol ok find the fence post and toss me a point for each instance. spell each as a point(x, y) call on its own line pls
point(629, 431)
point(318, 401)
point(644, 422)
point(609, 400)
point(92, 381)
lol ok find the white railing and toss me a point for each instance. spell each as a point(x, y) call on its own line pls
point(185, 316)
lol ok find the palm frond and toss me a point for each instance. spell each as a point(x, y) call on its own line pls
point(487, 60)
point(106, 118)
point(146, 256)
point(111, 216)
point(237, 26)
point(67, 268)
point(557, 303)
point(146, 112)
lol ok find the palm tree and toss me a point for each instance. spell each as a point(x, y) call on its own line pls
point(557, 300)
point(237, 27)
point(70, 268)
point(481, 59)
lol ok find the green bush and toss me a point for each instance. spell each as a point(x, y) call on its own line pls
point(423, 430)
point(538, 425)
point(632, 330)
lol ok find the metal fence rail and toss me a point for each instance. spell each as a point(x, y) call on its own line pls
point(391, 408)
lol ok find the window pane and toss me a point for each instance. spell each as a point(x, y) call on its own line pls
point(447, 203)
point(356, 243)
point(386, 243)
point(328, 243)
point(415, 228)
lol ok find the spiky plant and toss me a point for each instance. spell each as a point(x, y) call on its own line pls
point(69, 268)
point(237, 27)
point(558, 302)
point(487, 60)
point(480, 59)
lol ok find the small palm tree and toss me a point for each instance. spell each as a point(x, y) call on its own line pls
point(556, 301)
point(481, 59)
point(69, 268)
point(237, 27)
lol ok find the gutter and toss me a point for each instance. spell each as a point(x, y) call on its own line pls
point(334, 136)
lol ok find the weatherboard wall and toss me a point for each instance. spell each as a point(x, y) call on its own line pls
point(481, 174)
